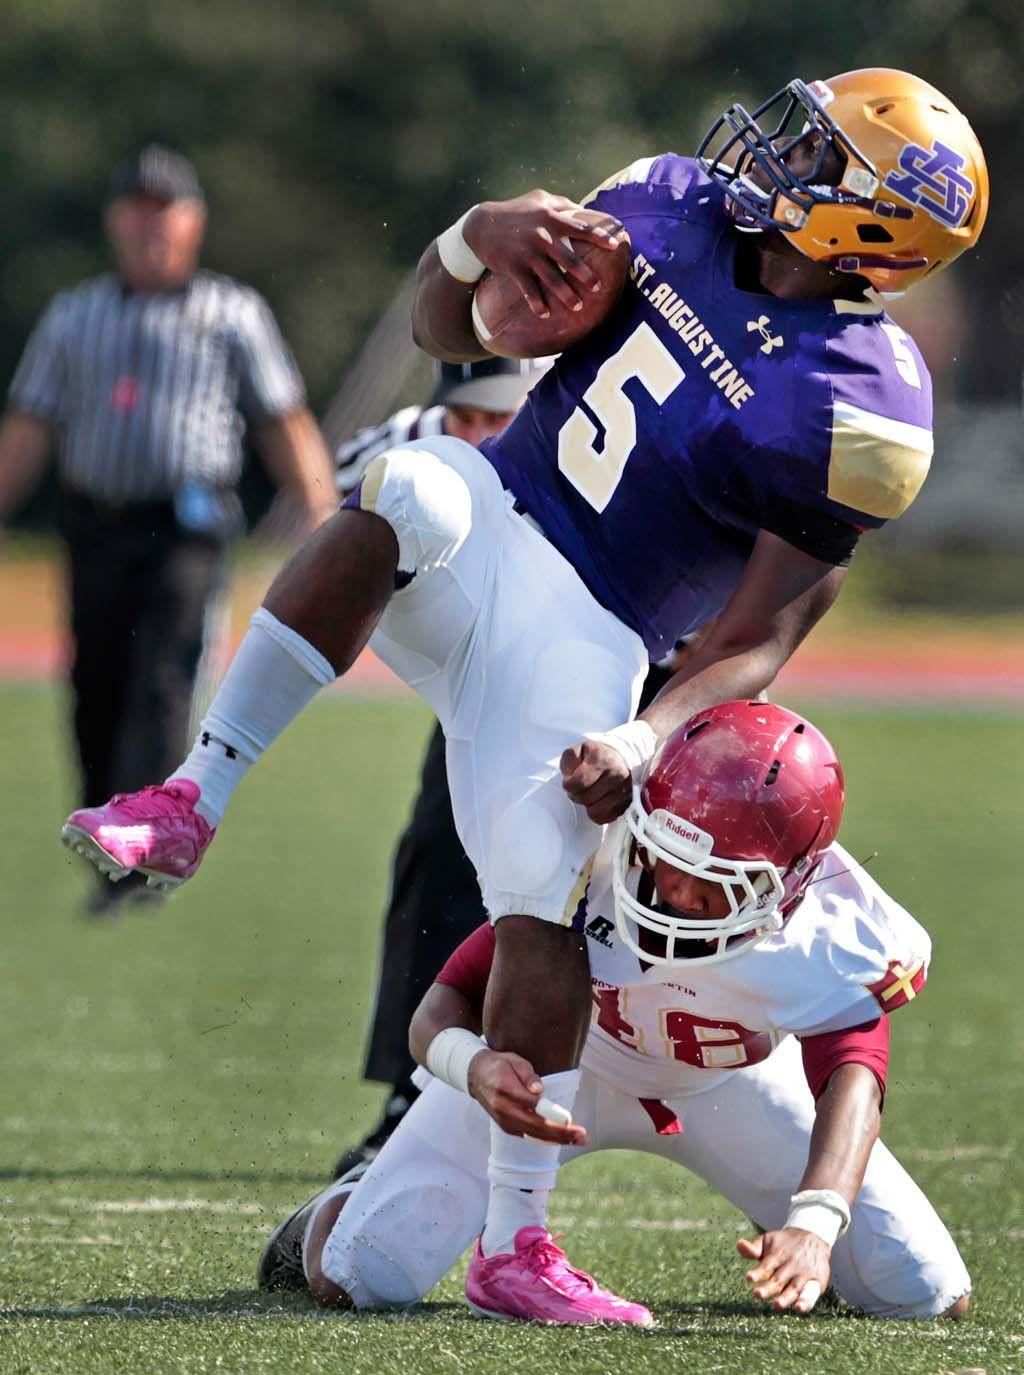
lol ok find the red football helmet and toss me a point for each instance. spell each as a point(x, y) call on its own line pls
point(748, 795)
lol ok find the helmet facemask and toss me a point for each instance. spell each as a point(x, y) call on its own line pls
point(754, 888)
point(763, 140)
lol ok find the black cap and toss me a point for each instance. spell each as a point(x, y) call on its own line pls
point(156, 171)
point(494, 384)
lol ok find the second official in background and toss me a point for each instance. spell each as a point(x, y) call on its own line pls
point(435, 899)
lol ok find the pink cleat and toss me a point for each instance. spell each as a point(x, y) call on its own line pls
point(536, 1283)
point(156, 831)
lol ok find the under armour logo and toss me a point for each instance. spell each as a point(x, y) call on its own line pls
point(206, 739)
point(933, 178)
point(763, 326)
point(599, 930)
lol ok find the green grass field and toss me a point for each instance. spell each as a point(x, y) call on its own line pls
point(173, 1083)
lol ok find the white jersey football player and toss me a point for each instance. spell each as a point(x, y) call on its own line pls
point(743, 969)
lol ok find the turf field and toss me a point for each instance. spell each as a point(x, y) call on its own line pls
point(173, 1083)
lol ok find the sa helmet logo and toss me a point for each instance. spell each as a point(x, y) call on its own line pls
point(763, 326)
point(933, 178)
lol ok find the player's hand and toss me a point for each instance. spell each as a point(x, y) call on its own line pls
point(793, 1267)
point(524, 239)
point(509, 1088)
point(596, 776)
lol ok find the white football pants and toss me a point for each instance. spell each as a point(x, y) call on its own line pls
point(424, 1198)
point(497, 632)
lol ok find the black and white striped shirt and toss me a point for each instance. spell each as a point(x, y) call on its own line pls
point(151, 390)
point(414, 422)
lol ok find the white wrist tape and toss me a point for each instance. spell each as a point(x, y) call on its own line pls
point(809, 1295)
point(824, 1212)
point(635, 741)
point(450, 1053)
point(457, 258)
point(479, 327)
point(554, 1112)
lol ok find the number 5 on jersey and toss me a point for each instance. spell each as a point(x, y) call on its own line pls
point(594, 474)
point(906, 365)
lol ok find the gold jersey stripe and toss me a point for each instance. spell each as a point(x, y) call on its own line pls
point(636, 171)
point(373, 481)
point(876, 465)
point(857, 307)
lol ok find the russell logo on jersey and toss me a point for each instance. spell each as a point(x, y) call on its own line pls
point(599, 930)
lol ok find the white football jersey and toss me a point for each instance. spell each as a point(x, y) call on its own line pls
point(848, 952)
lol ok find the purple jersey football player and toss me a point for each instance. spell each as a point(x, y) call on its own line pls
point(711, 452)
point(767, 410)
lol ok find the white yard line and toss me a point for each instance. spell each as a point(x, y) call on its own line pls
point(101, 1240)
point(645, 1224)
point(162, 1205)
point(975, 1151)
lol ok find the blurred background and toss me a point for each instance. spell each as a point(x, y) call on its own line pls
point(333, 140)
point(210, 1056)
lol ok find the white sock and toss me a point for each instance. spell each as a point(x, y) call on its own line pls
point(522, 1173)
point(273, 677)
point(507, 1211)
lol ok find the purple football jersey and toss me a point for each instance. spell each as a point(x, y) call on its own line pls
point(700, 413)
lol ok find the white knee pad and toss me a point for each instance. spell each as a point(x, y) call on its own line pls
point(904, 1277)
point(898, 1260)
point(536, 840)
point(390, 1255)
point(576, 687)
point(426, 502)
point(540, 858)
point(526, 845)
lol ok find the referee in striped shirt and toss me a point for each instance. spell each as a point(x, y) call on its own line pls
point(147, 377)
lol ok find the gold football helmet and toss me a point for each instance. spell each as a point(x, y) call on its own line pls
point(912, 192)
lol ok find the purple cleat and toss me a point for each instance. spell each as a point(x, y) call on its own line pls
point(156, 831)
point(536, 1283)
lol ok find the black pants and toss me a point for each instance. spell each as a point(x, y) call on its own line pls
point(139, 588)
point(435, 903)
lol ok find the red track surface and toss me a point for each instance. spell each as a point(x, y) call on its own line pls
point(851, 658)
point(927, 673)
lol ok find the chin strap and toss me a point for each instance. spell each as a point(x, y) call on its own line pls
point(855, 262)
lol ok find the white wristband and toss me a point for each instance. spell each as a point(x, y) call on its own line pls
point(457, 258)
point(450, 1053)
point(824, 1212)
point(479, 327)
point(635, 741)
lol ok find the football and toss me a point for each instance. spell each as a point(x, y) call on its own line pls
point(505, 325)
